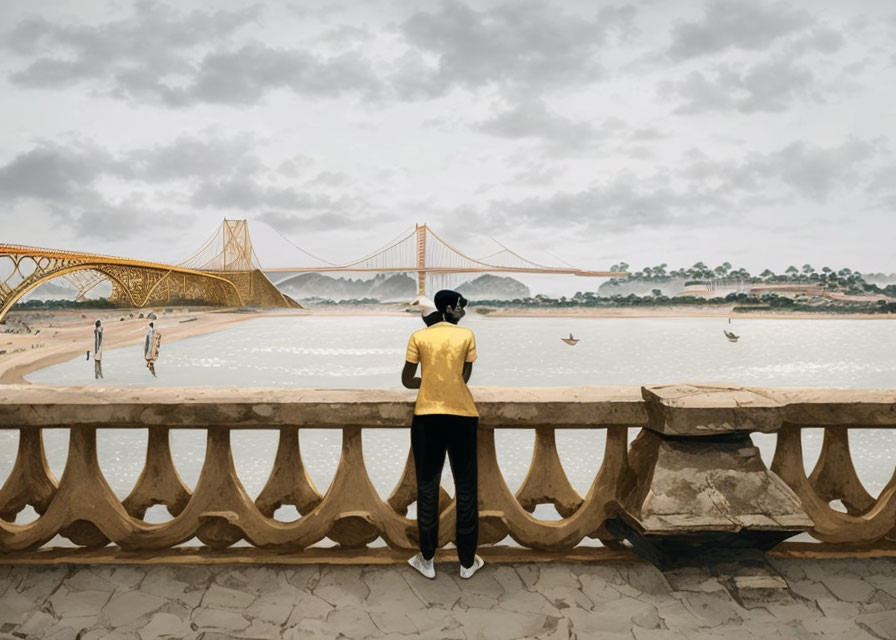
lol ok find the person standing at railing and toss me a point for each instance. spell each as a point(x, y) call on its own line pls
point(445, 421)
point(98, 350)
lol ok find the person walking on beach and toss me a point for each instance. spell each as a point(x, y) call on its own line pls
point(151, 347)
point(445, 421)
point(98, 350)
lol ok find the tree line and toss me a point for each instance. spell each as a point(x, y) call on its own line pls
point(846, 280)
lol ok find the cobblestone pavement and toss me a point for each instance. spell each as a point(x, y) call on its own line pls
point(781, 598)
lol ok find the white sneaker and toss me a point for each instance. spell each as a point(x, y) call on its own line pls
point(467, 572)
point(425, 567)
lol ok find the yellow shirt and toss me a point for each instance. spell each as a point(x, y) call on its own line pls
point(442, 350)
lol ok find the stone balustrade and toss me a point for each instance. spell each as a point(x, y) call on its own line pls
point(637, 492)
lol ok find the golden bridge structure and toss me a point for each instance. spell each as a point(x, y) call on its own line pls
point(226, 272)
point(223, 272)
point(435, 263)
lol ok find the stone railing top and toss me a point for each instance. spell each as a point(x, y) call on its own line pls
point(200, 407)
point(687, 410)
point(714, 409)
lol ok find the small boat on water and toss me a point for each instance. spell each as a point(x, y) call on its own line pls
point(570, 340)
point(731, 336)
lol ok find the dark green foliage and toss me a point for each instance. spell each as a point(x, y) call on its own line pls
point(98, 303)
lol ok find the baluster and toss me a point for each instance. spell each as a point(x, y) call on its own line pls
point(546, 482)
point(93, 509)
point(225, 506)
point(834, 476)
point(493, 492)
point(354, 493)
point(30, 482)
point(159, 482)
point(289, 482)
point(831, 525)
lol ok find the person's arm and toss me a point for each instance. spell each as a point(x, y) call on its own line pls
point(411, 359)
point(408, 379)
point(470, 356)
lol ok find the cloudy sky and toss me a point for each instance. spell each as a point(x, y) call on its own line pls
point(763, 133)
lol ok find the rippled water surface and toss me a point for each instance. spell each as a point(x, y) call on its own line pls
point(368, 352)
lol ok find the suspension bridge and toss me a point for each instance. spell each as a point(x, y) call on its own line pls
point(435, 263)
point(225, 271)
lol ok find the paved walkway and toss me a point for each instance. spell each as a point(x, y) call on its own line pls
point(781, 598)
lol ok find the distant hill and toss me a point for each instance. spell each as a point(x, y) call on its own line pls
point(57, 289)
point(669, 287)
point(382, 287)
point(389, 288)
point(880, 279)
point(489, 287)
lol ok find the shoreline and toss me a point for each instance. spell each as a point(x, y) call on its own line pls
point(677, 312)
point(65, 335)
point(62, 335)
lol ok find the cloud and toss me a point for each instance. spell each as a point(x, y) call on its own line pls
point(821, 40)
point(522, 45)
point(130, 54)
point(884, 179)
point(52, 171)
point(618, 204)
point(769, 86)
point(100, 219)
point(55, 171)
point(82, 184)
point(292, 223)
point(243, 192)
point(190, 156)
point(329, 179)
point(801, 170)
point(244, 76)
point(153, 55)
point(537, 175)
point(532, 119)
point(703, 192)
point(735, 24)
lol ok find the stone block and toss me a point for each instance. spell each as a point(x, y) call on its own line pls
point(218, 620)
point(164, 625)
point(848, 588)
point(130, 607)
point(693, 494)
point(703, 410)
point(881, 624)
point(78, 603)
point(218, 597)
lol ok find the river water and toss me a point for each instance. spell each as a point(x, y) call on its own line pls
point(368, 352)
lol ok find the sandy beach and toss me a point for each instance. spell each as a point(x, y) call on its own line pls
point(57, 336)
point(60, 335)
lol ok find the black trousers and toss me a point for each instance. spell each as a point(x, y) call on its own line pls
point(432, 436)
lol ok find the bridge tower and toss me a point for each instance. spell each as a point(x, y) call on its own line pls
point(236, 249)
point(421, 259)
point(229, 255)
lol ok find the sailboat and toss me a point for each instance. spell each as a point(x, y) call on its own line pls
point(570, 340)
point(731, 336)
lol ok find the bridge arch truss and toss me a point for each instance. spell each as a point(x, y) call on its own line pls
point(134, 283)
